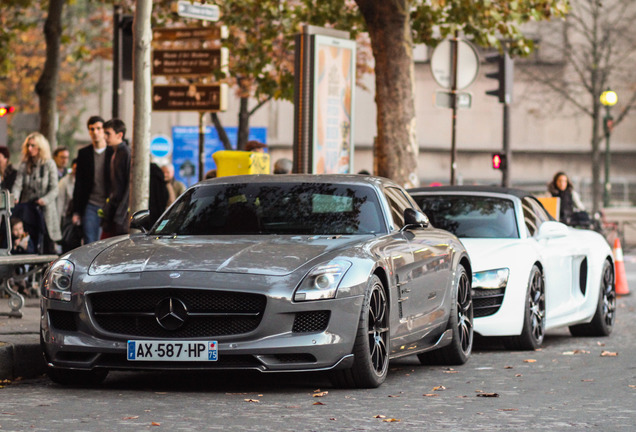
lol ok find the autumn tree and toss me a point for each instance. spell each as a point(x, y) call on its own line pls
point(597, 50)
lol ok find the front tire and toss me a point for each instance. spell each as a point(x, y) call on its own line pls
point(371, 354)
point(533, 331)
point(603, 321)
point(461, 323)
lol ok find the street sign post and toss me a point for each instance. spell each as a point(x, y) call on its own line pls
point(189, 33)
point(193, 97)
point(196, 10)
point(188, 62)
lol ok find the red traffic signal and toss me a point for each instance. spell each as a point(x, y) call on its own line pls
point(6, 109)
point(498, 161)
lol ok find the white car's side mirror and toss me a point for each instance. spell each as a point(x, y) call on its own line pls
point(552, 229)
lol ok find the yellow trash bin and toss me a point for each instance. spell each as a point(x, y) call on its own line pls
point(231, 162)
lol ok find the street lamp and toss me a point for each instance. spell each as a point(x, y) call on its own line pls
point(608, 99)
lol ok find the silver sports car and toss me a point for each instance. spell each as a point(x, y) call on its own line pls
point(336, 273)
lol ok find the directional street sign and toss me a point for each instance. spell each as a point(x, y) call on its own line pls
point(206, 12)
point(444, 99)
point(187, 61)
point(188, 33)
point(194, 97)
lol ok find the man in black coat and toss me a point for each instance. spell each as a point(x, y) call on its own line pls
point(115, 221)
point(93, 181)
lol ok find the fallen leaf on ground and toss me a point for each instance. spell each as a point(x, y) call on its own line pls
point(391, 420)
point(318, 403)
point(518, 375)
point(489, 395)
point(379, 416)
point(252, 400)
point(587, 380)
point(609, 354)
point(600, 343)
point(130, 418)
point(321, 394)
point(632, 386)
point(509, 409)
point(439, 388)
point(155, 424)
point(394, 395)
point(332, 418)
point(530, 361)
point(576, 351)
point(161, 393)
point(508, 367)
point(430, 395)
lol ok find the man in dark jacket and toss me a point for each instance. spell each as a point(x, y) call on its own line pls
point(93, 185)
point(115, 221)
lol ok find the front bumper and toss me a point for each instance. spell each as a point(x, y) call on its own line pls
point(72, 337)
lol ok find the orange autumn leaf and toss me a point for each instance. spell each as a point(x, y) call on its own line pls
point(609, 354)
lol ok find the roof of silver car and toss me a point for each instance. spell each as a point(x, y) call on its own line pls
point(302, 178)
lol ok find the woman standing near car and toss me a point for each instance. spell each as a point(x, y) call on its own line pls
point(35, 189)
point(562, 188)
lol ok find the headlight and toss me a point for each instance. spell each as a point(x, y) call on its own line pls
point(491, 279)
point(322, 281)
point(58, 280)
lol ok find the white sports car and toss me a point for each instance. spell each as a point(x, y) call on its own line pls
point(530, 272)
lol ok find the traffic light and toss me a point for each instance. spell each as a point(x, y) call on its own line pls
point(6, 109)
point(504, 75)
point(498, 161)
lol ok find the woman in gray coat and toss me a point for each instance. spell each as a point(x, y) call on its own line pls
point(36, 183)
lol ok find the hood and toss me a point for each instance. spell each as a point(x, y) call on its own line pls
point(489, 254)
point(266, 255)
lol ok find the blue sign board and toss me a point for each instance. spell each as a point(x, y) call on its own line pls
point(185, 141)
point(160, 146)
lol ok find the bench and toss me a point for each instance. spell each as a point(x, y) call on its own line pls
point(10, 265)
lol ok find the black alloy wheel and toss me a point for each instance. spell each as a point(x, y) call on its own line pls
point(603, 321)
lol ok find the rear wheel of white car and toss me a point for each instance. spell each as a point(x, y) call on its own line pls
point(603, 321)
point(461, 324)
point(371, 354)
point(533, 331)
point(76, 378)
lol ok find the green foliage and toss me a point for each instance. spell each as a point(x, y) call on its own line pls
point(487, 22)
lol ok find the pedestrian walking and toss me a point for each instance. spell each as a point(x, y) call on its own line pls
point(61, 156)
point(7, 172)
point(116, 216)
point(35, 189)
point(93, 168)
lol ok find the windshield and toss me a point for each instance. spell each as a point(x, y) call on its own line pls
point(471, 216)
point(274, 208)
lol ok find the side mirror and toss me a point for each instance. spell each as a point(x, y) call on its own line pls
point(552, 230)
point(414, 219)
point(139, 220)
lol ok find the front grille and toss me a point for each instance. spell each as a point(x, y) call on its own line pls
point(487, 301)
point(306, 322)
point(210, 313)
point(62, 320)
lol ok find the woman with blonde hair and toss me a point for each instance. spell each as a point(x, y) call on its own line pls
point(35, 190)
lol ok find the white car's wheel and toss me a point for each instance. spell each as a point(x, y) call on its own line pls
point(603, 321)
point(533, 330)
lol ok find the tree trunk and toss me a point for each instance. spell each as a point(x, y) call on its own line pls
point(390, 31)
point(46, 87)
point(142, 100)
point(220, 130)
point(243, 124)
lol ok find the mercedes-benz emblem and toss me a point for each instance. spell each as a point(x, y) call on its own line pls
point(171, 313)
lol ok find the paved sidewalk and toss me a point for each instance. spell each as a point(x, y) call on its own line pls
point(20, 354)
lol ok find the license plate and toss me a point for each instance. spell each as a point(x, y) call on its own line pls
point(141, 350)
